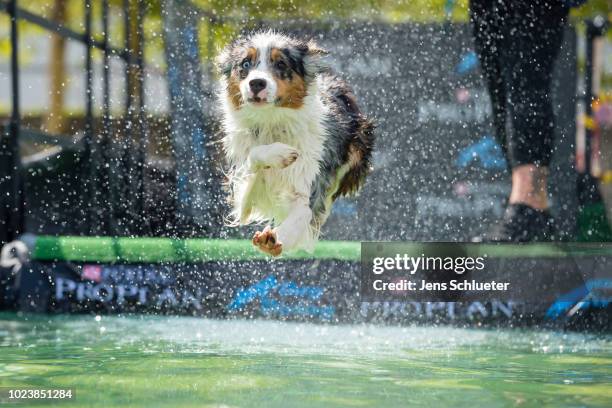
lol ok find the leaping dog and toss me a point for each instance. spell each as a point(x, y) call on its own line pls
point(294, 138)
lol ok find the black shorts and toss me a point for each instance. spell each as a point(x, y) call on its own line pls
point(517, 42)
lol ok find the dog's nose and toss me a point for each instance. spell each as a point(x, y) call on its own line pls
point(257, 85)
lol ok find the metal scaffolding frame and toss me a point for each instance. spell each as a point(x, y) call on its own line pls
point(97, 143)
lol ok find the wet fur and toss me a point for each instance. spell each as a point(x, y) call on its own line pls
point(314, 112)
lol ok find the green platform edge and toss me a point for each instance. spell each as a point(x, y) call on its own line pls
point(159, 250)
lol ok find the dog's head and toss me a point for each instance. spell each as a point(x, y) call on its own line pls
point(269, 69)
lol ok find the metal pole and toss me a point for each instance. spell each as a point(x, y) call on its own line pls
point(90, 154)
point(128, 54)
point(143, 142)
point(107, 145)
point(15, 222)
point(588, 92)
point(127, 196)
point(588, 190)
point(596, 27)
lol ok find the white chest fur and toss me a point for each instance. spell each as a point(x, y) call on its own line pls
point(253, 126)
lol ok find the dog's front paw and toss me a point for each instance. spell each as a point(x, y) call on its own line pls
point(280, 156)
point(267, 242)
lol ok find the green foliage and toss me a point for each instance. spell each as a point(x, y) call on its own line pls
point(325, 9)
point(230, 16)
point(592, 8)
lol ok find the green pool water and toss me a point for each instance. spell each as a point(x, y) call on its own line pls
point(145, 361)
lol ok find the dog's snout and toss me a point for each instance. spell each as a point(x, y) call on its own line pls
point(257, 85)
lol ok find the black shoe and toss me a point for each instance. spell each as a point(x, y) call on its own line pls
point(522, 223)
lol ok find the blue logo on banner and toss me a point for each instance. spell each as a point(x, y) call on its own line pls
point(486, 151)
point(581, 298)
point(273, 297)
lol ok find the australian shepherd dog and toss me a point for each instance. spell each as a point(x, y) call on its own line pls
point(294, 138)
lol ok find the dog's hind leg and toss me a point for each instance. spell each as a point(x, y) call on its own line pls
point(275, 155)
point(246, 201)
point(295, 227)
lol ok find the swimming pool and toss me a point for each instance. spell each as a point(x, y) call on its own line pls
point(181, 361)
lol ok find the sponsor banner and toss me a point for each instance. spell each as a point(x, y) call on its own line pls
point(323, 291)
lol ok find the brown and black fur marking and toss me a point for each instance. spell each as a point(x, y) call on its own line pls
point(348, 148)
point(359, 159)
point(288, 65)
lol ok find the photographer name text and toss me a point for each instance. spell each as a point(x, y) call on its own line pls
point(406, 264)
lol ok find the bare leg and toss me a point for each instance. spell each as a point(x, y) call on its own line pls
point(529, 186)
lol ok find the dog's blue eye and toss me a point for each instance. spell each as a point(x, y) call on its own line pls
point(246, 64)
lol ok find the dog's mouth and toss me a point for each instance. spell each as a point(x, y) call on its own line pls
point(256, 100)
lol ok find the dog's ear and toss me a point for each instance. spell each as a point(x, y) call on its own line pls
point(313, 56)
point(223, 61)
point(315, 50)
